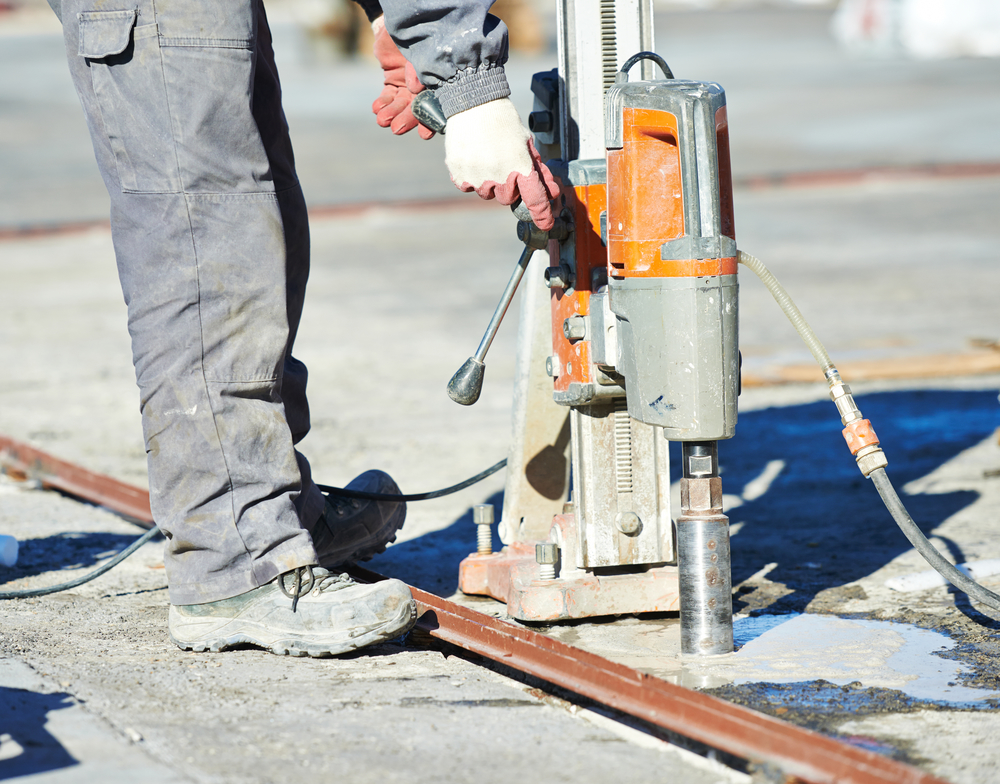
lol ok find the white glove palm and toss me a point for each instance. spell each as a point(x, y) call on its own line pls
point(489, 151)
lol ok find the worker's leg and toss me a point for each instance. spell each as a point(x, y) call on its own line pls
point(348, 529)
point(212, 246)
point(270, 119)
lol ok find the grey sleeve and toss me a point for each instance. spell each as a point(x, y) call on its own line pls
point(457, 47)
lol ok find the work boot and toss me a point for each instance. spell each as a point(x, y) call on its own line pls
point(305, 612)
point(351, 529)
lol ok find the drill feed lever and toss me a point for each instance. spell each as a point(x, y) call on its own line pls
point(466, 385)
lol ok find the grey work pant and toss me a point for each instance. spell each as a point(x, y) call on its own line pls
point(212, 244)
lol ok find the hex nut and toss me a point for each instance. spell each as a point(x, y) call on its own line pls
point(872, 462)
point(540, 122)
point(575, 328)
point(546, 553)
point(560, 277)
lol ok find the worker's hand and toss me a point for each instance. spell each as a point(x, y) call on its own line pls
point(489, 151)
point(392, 107)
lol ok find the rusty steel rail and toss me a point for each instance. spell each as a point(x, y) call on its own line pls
point(22, 461)
point(802, 755)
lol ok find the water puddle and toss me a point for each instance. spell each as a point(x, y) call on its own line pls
point(804, 648)
point(801, 661)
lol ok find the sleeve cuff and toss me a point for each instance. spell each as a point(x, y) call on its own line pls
point(472, 87)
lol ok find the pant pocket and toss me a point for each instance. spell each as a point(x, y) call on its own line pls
point(127, 75)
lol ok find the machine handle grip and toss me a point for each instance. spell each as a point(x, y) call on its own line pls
point(623, 73)
point(427, 109)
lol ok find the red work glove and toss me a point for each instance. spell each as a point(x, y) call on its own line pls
point(489, 151)
point(392, 107)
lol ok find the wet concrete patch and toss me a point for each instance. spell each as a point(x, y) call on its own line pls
point(882, 654)
point(823, 706)
point(975, 637)
point(827, 673)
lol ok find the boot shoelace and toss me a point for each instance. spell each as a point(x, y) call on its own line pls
point(315, 577)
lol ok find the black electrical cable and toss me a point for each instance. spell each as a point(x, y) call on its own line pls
point(648, 56)
point(87, 577)
point(341, 491)
point(344, 492)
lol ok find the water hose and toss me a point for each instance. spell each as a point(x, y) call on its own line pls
point(863, 442)
point(789, 308)
point(930, 553)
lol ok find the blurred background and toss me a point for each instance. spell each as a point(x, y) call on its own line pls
point(812, 86)
point(867, 176)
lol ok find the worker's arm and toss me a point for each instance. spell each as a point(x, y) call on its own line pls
point(458, 48)
point(392, 108)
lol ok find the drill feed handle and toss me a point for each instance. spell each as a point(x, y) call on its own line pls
point(467, 383)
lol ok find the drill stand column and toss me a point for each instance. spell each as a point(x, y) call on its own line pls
point(576, 558)
point(642, 329)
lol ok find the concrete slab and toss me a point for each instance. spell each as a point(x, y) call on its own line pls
point(882, 268)
point(91, 676)
point(48, 736)
point(807, 536)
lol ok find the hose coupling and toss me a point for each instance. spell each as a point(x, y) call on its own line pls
point(863, 443)
point(842, 398)
point(858, 432)
point(870, 459)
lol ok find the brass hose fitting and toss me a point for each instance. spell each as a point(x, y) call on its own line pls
point(858, 432)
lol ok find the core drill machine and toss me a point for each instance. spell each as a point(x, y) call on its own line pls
point(632, 344)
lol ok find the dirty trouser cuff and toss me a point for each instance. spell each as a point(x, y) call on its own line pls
point(287, 556)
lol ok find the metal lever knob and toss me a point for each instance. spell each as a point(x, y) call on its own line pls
point(466, 385)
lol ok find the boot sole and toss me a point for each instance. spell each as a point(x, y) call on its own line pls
point(317, 650)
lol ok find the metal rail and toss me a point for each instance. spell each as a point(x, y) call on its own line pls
point(22, 461)
point(801, 754)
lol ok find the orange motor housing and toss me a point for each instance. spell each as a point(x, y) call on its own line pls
point(672, 255)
